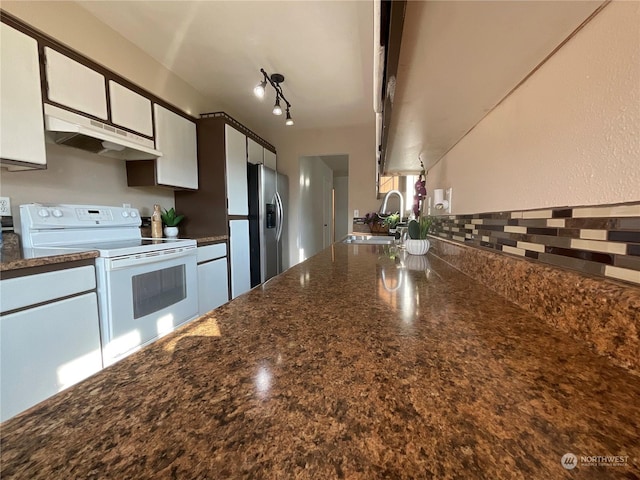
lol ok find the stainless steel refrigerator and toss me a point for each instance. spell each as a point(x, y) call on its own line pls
point(268, 198)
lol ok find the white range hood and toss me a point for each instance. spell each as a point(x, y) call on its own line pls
point(74, 130)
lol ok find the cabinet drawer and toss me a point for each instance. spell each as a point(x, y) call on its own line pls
point(31, 289)
point(209, 252)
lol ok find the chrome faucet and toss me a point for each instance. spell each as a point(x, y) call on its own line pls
point(383, 208)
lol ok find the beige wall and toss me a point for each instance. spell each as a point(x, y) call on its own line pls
point(356, 142)
point(72, 175)
point(570, 135)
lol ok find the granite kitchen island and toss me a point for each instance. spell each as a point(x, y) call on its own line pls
point(354, 364)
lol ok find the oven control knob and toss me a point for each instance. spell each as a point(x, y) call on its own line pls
point(57, 213)
point(44, 213)
point(125, 214)
point(133, 214)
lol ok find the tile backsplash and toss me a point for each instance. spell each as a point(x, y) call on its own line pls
point(598, 240)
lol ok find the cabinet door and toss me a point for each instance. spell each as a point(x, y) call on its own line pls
point(270, 159)
point(236, 159)
point(21, 121)
point(213, 285)
point(130, 110)
point(255, 153)
point(46, 349)
point(74, 85)
point(240, 266)
point(176, 139)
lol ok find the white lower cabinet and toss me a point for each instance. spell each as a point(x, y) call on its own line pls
point(46, 349)
point(49, 336)
point(213, 281)
point(240, 257)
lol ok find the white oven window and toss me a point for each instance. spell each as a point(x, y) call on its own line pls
point(159, 289)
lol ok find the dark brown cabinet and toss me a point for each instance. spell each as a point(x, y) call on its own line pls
point(205, 210)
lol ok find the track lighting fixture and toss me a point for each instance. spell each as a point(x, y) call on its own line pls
point(274, 80)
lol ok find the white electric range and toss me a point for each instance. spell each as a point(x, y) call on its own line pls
point(146, 287)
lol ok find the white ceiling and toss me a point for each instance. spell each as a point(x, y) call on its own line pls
point(459, 59)
point(323, 48)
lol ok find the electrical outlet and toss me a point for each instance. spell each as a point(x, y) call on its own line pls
point(5, 207)
point(356, 213)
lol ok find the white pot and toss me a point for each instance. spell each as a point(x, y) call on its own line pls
point(417, 262)
point(417, 247)
point(170, 232)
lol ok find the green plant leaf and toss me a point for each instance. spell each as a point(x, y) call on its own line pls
point(170, 219)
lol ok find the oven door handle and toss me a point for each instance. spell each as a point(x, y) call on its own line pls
point(149, 258)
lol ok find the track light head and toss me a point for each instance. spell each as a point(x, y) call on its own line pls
point(277, 109)
point(289, 120)
point(259, 90)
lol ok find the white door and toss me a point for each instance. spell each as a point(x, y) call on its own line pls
point(176, 139)
point(212, 285)
point(21, 121)
point(46, 349)
point(240, 266)
point(270, 159)
point(236, 157)
point(327, 213)
point(75, 85)
point(255, 152)
point(130, 109)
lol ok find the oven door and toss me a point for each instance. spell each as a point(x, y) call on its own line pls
point(145, 297)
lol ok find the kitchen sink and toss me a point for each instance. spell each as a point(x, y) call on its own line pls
point(368, 239)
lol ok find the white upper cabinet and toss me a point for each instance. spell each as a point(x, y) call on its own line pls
point(270, 159)
point(74, 85)
point(21, 120)
point(176, 139)
point(236, 162)
point(255, 152)
point(130, 109)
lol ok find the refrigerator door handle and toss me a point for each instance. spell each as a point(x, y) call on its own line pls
point(280, 215)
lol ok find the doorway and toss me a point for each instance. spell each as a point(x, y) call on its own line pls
point(324, 196)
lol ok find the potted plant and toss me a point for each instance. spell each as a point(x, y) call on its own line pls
point(417, 243)
point(376, 224)
point(392, 221)
point(171, 221)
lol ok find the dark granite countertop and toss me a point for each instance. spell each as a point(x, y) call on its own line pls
point(349, 365)
point(12, 256)
point(210, 240)
point(201, 239)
